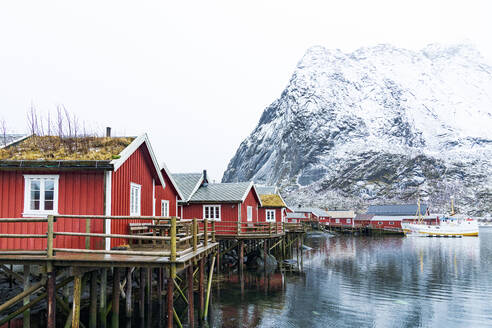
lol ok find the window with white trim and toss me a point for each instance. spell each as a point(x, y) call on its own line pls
point(392, 223)
point(349, 220)
point(135, 199)
point(211, 212)
point(249, 213)
point(40, 195)
point(337, 220)
point(165, 208)
point(270, 215)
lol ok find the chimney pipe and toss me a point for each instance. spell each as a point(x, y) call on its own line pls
point(108, 132)
point(205, 179)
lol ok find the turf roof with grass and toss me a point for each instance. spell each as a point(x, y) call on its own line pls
point(53, 148)
point(272, 201)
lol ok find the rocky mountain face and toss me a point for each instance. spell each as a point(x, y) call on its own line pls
point(378, 125)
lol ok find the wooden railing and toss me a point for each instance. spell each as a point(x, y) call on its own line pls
point(171, 237)
point(294, 227)
point(249, 228)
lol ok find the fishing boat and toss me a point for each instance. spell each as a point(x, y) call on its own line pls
point(451, 225)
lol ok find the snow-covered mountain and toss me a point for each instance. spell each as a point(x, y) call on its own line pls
point(380, 124)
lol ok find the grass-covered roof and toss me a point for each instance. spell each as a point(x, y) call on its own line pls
point(53, 148)
point(272, 201)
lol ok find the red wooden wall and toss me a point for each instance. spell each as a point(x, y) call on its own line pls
point(251, 200)
point(138, 168)
point(262, 214)
point(168, 193)
point(79, 192)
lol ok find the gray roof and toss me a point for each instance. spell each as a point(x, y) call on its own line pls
point(266, 190)
point(222, 192)
point(8, 139)
point(396, 210)
point(314, 210)
point(187, 183)
point(295, 215)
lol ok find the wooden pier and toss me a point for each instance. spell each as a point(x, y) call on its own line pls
point(166, 248)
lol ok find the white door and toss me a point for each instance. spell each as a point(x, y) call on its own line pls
point(249, 211)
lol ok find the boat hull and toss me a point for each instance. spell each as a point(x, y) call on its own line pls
point(462, 228)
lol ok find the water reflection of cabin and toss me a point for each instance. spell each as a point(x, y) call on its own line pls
point(225, 203)
point(46, 175)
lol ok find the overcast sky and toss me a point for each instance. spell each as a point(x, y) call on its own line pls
point(196, 75)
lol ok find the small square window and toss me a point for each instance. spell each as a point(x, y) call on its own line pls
point(40, 195)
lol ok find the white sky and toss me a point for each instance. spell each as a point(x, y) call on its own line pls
point(196, 75)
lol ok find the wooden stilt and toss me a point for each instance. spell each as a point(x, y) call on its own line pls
point(201, 279)
point(141, 305)
point(191, 310)
point(51, 293)
point(129, 285)
point(115, 318)
point(149, 294)
point(26, 321)
point(77, 289)
point(241, 256)
point(93, 302)
point(169, 301)
point(205, 313)
point(103, 297)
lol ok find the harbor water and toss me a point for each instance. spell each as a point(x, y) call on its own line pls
point(367, 282)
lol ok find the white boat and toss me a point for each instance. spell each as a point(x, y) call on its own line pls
point(449, 226)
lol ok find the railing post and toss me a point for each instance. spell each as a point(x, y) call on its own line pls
point(87, 230)
point(173, 247)
point(239, 228)
point(195, 233)
point(269, 228)
point(213, 231)
point(49, 246)
point(205, 232)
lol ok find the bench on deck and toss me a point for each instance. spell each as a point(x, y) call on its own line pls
point(140, 229)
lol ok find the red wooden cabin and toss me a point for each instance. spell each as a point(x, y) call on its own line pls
point(43, 176)
point(273, 206)
point(341, 218)
point(226, 203)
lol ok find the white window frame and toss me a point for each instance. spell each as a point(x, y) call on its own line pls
point(337, 220)
point(134, 209)
point(249, 210)
point(27, 195)
point(212, 217)
point(272, 215)
point(349, 221)
point(164, 202)
point(391, 223)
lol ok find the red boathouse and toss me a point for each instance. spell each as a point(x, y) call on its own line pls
point(46, 175)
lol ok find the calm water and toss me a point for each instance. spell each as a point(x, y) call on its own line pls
point(369, 282)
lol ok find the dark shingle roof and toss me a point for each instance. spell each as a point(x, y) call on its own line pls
point(187, 183)
point(222, 192)
point(396, 210)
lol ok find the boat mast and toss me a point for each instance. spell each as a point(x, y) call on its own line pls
point(452, 205)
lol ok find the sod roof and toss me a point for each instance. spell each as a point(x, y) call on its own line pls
point(272, 201)
point(51, 148)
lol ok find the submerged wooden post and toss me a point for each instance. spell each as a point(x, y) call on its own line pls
point(26, 320)
point(191, 310)
point(149, 293)
point(241, 256)
point(77, 289)
point(170, 296)
point(51, 300)
point(93, 302)
point(201, 279)
point(141, 304)
point(102, 303)
point(115, 318)
point(129, 283)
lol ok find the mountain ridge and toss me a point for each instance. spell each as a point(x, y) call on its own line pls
point(353, 129)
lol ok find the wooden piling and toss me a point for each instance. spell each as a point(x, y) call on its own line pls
point(169, 301)
point(241, 256)
point(191, 310)
point(93, 301)
point(201, 287)
point(141, 304)
point(77, 290)
point(129, 285)
point(115, 318)
point(51, 300)
point(103, 297)
point(26, 321)
point(209, 282)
